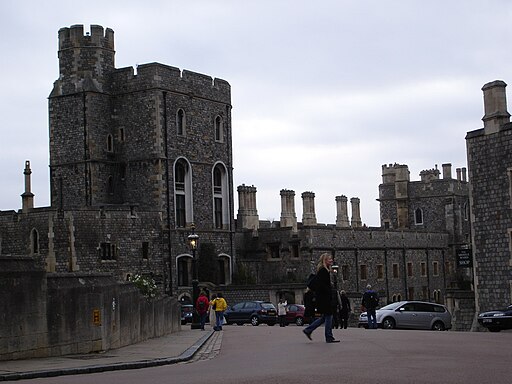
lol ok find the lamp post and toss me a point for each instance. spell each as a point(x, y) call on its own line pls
point(193, 240)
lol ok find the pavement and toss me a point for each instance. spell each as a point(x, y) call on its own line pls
point(182, 346)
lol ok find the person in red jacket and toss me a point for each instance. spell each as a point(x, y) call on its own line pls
point(202, 308)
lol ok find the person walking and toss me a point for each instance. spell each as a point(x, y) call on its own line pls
point(220, 306)
point(370, 302)
point(211, 311)
point(202, 308)
point(345, 310)
point(321, 285)
point(281, 312)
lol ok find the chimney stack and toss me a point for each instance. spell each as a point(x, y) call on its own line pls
point(495, 106)
point(356, 213)
point(447, 171)
point(308, 208)
point(247, 217)
point(342, 212)
point(27, 198)
point(288, 216)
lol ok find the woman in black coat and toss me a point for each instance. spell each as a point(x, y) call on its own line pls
point(321, 284)
point(345, 310)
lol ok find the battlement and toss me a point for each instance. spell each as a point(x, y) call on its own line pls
point(156, 75)
point(428, 175)
point(73, 37)
point(394, 172)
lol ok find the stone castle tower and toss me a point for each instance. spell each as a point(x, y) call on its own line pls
point(152, 139)
point(433, 203)
point(490, 172)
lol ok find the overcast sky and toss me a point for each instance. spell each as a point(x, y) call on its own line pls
point(324, 92)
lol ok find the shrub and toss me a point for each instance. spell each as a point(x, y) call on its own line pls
point(145, 284)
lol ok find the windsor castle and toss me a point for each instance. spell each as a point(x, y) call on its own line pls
point(138, 158)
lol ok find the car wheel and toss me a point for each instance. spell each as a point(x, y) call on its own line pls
point(388, 323)
point(255, 321)
point(494, 329)
point(299, 321)
point(438, 326)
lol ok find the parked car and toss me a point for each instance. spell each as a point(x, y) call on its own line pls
point(187, 311)
point(295, 314)
point(496, 320)
point(253, 312)
point(411, 315)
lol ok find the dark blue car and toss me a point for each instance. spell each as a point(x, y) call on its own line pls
point(498, 320)
point(252, 312)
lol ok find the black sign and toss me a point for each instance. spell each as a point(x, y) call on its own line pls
point(464, 258)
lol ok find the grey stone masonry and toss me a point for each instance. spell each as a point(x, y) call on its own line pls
point(490, 173)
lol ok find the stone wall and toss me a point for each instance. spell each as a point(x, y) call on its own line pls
point(376, 249)
point(461, 305)
point(59, 314)
point(23, 309)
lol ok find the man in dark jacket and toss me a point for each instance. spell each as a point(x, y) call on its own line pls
point(370, 302)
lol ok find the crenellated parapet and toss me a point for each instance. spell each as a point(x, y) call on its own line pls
point(171, 79)
point(394, 172)
point(428, 175)
point(74, 37)
point(87, 63)
point(85, 60)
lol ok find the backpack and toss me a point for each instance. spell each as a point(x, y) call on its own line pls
point(312, 282)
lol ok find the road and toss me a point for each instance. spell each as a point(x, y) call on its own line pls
point(266, 354)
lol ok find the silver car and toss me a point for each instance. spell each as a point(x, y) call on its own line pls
point(411, 315)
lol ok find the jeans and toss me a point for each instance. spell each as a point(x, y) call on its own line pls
point(202, 319)
point(372, 318)
point(219, 317)
point(327, 319)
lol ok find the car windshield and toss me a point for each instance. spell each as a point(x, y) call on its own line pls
point(268, 305)
point(392, 306)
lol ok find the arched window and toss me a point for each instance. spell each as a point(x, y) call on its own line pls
point(219, 129)
point(184, 268)
point(183, 193)
point(418, 216)
point(224, 264)
point(220, 197)
point(34, 241)
point(180, 122)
